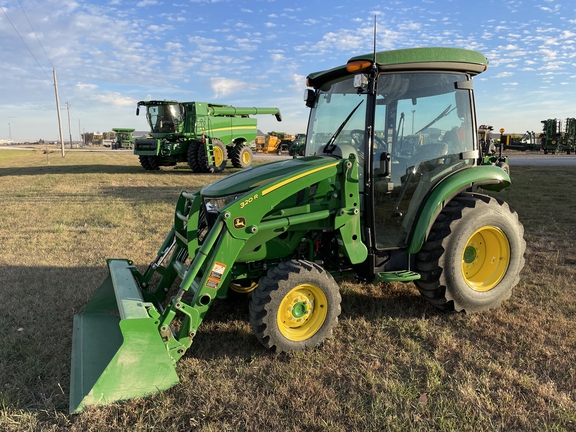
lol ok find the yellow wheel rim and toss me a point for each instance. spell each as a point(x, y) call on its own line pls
point(486, 258)
point(218, 156)
point(246, 157)
point(302, 312)
point(243, 288)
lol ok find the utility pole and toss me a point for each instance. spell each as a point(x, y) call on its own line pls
point(9, 132)
point(69, 128)
point(58, 110)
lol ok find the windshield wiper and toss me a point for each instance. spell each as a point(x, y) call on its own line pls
point(442, 115)
point(329, 147)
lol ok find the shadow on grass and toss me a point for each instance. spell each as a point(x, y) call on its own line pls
point(90, 169)
point(38, 316)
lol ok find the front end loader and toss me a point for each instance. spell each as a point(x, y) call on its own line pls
point(389, 189)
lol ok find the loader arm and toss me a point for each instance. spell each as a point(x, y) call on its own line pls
point(246, 222)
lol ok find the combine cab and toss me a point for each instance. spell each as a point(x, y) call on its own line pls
point(367, 198)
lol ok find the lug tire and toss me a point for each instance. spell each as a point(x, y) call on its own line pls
point(192, 156)
point(202, 159)
point(220, 159)
point(220, 155)
point(241, 156)
point(295, 307)
point(473, 256)
point(149, 163)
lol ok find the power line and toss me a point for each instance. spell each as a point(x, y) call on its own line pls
point(22, 39)
point(34, 31)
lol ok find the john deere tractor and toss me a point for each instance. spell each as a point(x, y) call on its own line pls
point(204, 135)
point(389, 189)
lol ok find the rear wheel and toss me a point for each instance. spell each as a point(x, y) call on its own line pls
point(295, 306)
point(241, 156)
point(473, 256)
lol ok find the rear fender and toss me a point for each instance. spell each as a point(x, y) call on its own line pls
point(487, 176)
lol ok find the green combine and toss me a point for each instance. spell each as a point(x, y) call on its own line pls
point(123, 139)
point(389, 189)
point(203, 135)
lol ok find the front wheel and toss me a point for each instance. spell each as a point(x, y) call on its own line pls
point(473, 256)
point(295, 306)
point(149, 163)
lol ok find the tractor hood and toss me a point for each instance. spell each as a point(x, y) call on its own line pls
point(250, 178)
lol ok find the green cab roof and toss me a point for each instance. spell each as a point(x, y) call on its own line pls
point(411, 59)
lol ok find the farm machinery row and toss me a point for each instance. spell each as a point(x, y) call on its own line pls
point(557, 136)
point(365, 199)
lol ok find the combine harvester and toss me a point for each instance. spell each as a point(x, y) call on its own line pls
point(204, 135)
point(363, 200)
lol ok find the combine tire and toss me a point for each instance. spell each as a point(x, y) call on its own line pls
point(241, 156)
point(295, 306)
point(473, 255)
point(192, 156)
point(220, 160)
point(149, 163)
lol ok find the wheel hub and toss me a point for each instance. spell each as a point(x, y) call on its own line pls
point(485, 258)
point(302, 312)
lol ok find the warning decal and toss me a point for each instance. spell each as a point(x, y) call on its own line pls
point(216, 274)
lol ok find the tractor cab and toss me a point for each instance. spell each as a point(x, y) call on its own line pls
point(408, 131)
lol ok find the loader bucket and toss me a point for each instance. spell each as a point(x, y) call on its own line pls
point(117, 351)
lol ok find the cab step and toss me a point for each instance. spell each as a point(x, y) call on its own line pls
point(398, 276)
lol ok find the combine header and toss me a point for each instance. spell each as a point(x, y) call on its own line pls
point(365, 199)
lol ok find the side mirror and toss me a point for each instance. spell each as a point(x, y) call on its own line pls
point(138, 110)
point(309, 97)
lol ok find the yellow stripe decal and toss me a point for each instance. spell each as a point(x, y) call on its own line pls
point(230, 128)
point(299, 176)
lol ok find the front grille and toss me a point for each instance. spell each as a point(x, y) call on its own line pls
point(146, 144)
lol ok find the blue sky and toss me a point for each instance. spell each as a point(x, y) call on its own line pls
point(110, 54)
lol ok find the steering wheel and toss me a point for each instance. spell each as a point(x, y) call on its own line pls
point(357, 137)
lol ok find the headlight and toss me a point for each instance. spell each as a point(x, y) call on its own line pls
point(214, 205)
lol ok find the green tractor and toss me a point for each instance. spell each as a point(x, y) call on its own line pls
point(204, 135)
point(366, 199)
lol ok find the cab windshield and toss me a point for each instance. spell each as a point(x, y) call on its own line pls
point(164, 118)
point(423, 130)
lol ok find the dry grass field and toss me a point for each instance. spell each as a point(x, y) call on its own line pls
point(394, 363)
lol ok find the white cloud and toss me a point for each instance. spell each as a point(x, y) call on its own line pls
point(115, 99)
point(82, 86)
point(144, 3)
point(226, 86)
point(504, 74)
